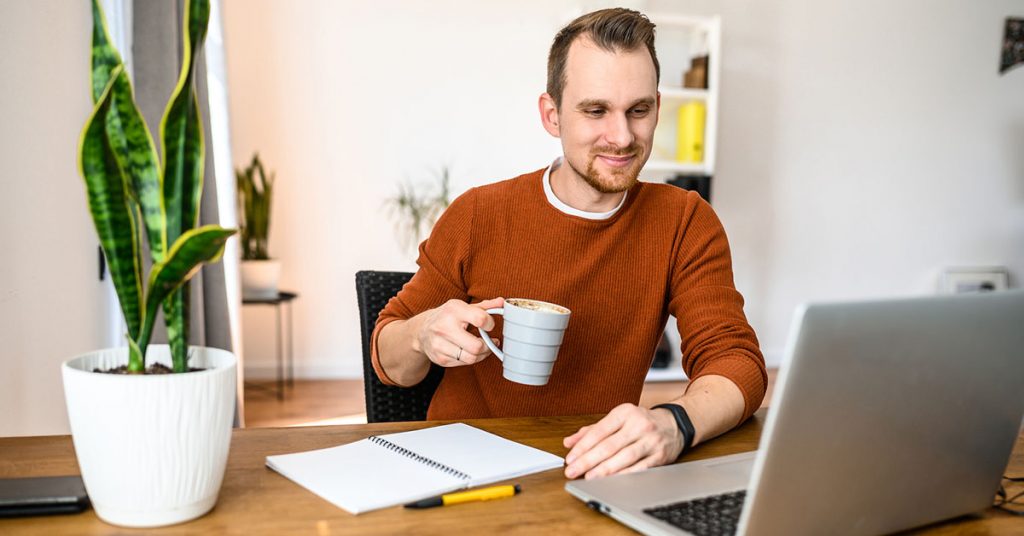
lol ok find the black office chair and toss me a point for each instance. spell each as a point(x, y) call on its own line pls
point(385, 403)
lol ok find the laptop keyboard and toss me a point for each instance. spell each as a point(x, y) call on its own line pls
point(708, 516)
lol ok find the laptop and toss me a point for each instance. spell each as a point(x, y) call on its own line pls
point(887, 415)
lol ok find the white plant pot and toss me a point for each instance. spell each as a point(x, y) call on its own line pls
point(259, 279)
point(152, 448)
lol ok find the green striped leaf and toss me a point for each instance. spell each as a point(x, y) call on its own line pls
point(135, 151)
point(136, 363)
point(181, 134)
point(189, 252)
point(245, 211)
point(113, 214)
point(104, 56)
point(177, 314)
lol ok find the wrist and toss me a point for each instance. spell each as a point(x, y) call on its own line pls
point(666, 423)
point(682, 422)
point(415, 327)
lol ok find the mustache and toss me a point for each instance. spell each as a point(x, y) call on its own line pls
point(628, 150)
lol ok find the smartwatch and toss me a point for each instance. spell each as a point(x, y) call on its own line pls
point(683, 422)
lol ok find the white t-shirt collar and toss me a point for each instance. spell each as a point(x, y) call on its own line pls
point(557, 203)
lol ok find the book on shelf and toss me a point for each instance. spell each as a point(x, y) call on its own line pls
point(690, 132)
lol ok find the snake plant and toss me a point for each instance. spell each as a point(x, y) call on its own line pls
point(132, 194)
point(254, 198)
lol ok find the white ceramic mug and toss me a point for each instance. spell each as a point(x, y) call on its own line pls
point(531, 338)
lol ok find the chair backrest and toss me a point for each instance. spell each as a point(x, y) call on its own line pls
point(385, 403)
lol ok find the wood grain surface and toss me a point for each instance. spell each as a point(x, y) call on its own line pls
point(257, 500)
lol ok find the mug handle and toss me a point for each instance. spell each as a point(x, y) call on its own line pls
point(487, 336)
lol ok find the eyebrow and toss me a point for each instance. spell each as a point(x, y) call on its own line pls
point(590, 103)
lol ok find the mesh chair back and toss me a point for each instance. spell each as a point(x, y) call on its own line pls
point(385, 403)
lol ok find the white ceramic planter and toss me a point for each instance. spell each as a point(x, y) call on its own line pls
point(152, 449)
point(259, 279)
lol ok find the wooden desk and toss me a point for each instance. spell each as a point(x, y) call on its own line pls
point(256, 500)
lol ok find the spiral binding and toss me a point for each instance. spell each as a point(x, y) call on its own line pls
point(421, 459)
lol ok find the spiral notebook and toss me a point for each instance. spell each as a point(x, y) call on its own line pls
point(394, 469)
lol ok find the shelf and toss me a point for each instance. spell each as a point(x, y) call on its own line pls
point(683, 93)
point(680, 39)
point(671, 166)
point(670, 374)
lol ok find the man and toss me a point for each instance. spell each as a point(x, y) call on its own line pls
point(585, 234)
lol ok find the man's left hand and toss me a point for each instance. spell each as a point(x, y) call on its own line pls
point(630, 438)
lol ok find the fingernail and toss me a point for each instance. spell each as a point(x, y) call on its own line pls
point(570, 473)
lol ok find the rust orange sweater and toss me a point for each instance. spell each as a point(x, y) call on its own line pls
point(664, 252)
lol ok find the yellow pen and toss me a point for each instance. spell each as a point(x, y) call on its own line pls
point(483, 494)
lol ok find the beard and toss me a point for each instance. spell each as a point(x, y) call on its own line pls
point(615, 180)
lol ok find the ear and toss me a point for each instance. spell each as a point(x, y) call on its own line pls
point(549, 114)
point(657, 108)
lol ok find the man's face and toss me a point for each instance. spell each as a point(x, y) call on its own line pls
point(608, 114)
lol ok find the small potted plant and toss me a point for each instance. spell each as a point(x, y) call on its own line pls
point(260, 273)
point(416, 211)
point(151, 424)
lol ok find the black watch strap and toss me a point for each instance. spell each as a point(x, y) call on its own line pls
point(683, 422)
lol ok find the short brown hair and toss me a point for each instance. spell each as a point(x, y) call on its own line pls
point(616, 29)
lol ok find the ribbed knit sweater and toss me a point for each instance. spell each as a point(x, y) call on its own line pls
point(663, 252)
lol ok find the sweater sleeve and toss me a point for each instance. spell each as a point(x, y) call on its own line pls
point(442, 261)
point(716, 338)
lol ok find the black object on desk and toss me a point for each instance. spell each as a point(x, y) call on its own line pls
point(42, 496)
point(282, 298)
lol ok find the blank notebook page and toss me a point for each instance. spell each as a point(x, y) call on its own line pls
point(483, 456)
point(376, 473)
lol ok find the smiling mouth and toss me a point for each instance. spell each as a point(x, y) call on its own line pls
point(617, 160)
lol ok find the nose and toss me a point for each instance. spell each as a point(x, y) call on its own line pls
point(618, 133)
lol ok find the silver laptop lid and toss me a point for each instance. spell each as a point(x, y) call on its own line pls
point(890, 415)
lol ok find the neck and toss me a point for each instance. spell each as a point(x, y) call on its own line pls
point(574, 191)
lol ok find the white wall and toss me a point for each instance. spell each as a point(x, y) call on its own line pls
point(863, 145)
point(51, 302)
point(344, 101)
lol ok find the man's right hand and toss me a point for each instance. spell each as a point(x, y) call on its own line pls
point(443, 333)
point(405, 348)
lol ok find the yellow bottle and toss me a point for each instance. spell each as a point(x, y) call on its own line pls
point(690, 135)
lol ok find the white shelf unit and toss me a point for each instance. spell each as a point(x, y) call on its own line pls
point(679, 39)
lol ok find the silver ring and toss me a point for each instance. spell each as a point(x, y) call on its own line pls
point(459, 357)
